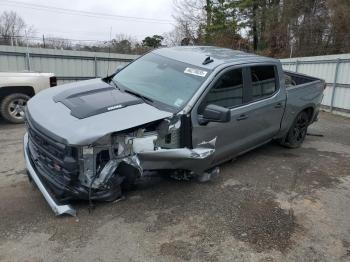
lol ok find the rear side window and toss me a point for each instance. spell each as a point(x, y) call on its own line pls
point(227, 91)
point(263, 81)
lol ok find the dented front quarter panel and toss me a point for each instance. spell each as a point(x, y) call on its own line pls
point(146, 154)
point(145, 149)
point(197, 159)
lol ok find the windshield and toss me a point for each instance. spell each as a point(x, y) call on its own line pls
point(162, 80)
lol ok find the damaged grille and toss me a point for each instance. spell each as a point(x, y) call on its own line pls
point(53, 148)
point(52, 156)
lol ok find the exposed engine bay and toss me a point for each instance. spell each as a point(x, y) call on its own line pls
point(119, 159)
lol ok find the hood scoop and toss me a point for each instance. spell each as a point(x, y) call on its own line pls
point(97, 99)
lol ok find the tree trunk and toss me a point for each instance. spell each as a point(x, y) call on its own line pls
point(208, 9)
point(255, 26)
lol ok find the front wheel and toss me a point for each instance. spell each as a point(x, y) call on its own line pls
point(12, 107)
point(297, 133)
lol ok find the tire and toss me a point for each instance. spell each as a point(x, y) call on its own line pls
point(12, 107)
point(129, 174)
point(297, 133)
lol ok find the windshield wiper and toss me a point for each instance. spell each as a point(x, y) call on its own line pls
point(144, 98)
point(114, 83)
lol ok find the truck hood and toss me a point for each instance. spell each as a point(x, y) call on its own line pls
point(82, 112)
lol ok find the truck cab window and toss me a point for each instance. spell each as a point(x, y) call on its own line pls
point(227, 91)
point(263, 81)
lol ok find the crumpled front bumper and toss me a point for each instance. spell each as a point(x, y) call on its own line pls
point(52, 187)
point(55, 206)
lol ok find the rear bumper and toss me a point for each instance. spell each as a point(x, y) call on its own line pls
point(56, 207)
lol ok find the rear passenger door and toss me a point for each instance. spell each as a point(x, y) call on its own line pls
point(266, 102)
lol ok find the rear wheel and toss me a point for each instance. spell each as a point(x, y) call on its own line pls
point(297, 133)
point(12, 107)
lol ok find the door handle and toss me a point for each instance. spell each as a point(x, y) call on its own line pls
point(278, 105)
point(241, 117)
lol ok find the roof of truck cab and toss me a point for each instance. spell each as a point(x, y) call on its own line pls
point(196, 55)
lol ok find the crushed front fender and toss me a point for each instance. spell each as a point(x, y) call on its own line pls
point(197, 159)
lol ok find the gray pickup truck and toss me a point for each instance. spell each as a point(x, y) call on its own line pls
point(181, 110)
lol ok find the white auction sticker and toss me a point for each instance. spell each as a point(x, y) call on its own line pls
point(196, 72)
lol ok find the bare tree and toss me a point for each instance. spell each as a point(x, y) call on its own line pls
point(174, 37)
point(13, 29)
point(191, 19)
point(123, 44)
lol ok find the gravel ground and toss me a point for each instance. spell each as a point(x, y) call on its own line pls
point(271, 204)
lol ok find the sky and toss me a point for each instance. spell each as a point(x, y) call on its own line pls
point(63, 23)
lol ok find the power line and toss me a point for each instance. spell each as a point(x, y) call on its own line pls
point(87, 13)
point(52, 38)
point(59, 33)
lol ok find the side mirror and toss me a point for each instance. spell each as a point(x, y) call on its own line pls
point(214, 113)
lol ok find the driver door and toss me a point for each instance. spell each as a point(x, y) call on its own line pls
point(227, 90)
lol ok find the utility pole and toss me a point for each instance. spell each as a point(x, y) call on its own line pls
point(44, 40)
point(27, 53)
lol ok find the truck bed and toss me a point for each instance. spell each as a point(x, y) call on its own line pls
point(302, 92)
point(293, 79)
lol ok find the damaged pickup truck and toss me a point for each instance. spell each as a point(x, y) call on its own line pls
point(181, 109)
